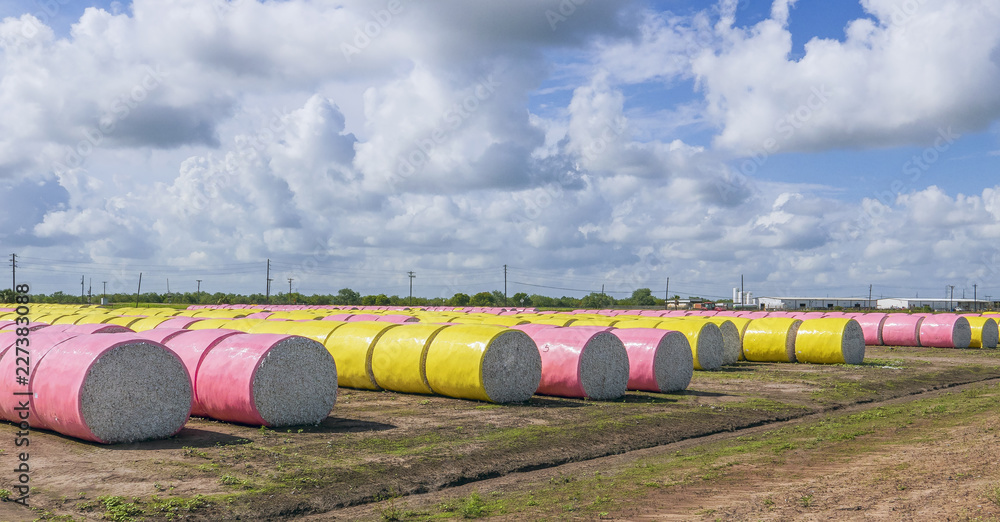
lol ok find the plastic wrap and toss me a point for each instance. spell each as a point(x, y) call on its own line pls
point(945, 331)
point(830, 341)
point(901, 330)
point(399, 357)
point(482, 362)
point(351, 345)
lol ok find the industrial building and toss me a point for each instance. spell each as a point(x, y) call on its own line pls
point(812, 303)
point(940, 304)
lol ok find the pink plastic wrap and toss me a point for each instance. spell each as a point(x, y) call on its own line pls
point(82, 329)
point(258, 315)
point(226, 374)
point(901, 330)
point(642, 345)
point(178, 322)
point(192, 348)
point(531, 328)
point(162, 335)
point(362, 317)
point(58, 378)
point(396, 318)
point(871, 325)
point(562, 352)
point(945, 331)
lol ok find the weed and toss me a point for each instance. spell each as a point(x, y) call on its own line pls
point(993, 494)
point(806, 501)
point(5, 494)
point(192, 452)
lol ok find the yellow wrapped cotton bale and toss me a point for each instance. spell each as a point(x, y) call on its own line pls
point(732, 341)
point(771, 339)
point(209, 324)
point(94, 318)
point(554, 320)
point(984, 332)
point(126, 320)
point(505, 320)
point(704, 337)
point(400, 357)
point(482, 362)
point(67, 319)
point(595, 322)
point(243, 324)
point(144, 323)
point(646, 322)
point(316, 330)
point(831, 340)
point(351, 345)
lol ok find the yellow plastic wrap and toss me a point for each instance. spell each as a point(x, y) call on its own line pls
point(144, 323)
point(351, 346)
point(554, 320)
point(296, 315)
point(454, 363)
point(45, 318)
point(768, 339)
point(316, 330)
point(219, 314)
point(741, 325)
point(94, 318)
point(979, 327)
point(692, 328)
point(209, 324)
point(399, 357)
point(67, 319)
point(243, 324)
point(648, 322)
point(594, 322)
point(829, 340)
point(504, 320)
point(124, 320)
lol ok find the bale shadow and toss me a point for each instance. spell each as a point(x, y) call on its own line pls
point(647, 398)
point(186, 438)
point(341, 425)
point(696, 393)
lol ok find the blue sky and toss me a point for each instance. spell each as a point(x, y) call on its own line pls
point(812, 147)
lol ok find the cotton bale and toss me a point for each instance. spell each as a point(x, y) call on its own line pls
point(318, 331)
point(704, 337)
point(647, 322)
point(126, 320)
point(830, 340)
point(945, 331)
point(111, 389)
point(162, 335)
point(582, 362)
point(871, 325)
point(771, 339)
point(659, 360)
point(267, 379)
point(732, 344)
point(483, 362)
point(984, 332)
point(351, 345)
point(211, 324)
point(901, 330)
point(192, 348)
point(80, 329)
point(399, 358)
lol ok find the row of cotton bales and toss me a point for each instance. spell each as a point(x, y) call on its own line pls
point(105, 383)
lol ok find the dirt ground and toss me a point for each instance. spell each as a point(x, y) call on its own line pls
point(424, 449)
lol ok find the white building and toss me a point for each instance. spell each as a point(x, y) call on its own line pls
point(812, 303)
point(744, 299)
point(939, 304)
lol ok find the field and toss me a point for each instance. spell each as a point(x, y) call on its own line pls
point(910, 434)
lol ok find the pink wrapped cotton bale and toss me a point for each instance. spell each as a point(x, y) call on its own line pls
point(901, 330)
point(658, 360)
point(945, 331)
point(267, 379)
point(192, 348)
point(530, 328)
point(81, 329)
point(871, 326)
point(396, 318)
point(111, 389)
point(580, 362)
point(162, 335)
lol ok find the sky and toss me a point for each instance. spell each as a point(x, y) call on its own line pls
point(810, 148)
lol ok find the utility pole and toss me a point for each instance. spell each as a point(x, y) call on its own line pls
point(975, 298)
point(951, 298)
point(290, 289)
point(13, 272)
point(666, 295)
point(81, 288)
point(869, 297)
point(505, 285)
point(742, 292)
point(199, 286)
point(104, 295)
point(412, 275)
point(267, 290)
point(168, 291)
point(90, 291)
point(137, 290)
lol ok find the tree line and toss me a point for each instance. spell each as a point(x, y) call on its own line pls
point(642, 297)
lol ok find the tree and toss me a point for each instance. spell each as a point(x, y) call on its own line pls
point(498, 298)
point(346, 296)
point(459, 299)
point(7, 295)
point(482, 299)
point(521, 299)
point(642, 297)
point(597, 301)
